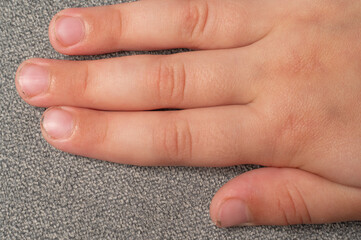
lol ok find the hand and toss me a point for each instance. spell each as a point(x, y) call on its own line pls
point(277, 84)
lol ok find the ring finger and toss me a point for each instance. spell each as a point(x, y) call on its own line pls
point(158, 24)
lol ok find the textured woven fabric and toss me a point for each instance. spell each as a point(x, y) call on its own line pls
point(48, 194)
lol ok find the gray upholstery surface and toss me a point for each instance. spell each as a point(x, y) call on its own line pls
point(48, 194)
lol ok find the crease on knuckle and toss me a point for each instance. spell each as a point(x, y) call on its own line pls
point(195, 18)
point(293, 206)
point(283, 212)
point(83, 85)
point(175, 141)
point(169, 83)
point(102, 135)
point(116, 26)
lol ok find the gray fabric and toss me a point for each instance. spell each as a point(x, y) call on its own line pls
point(48, 194)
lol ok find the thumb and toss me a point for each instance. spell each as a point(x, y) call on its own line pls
point(283, 196)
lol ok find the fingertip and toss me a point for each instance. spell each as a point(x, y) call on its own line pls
point(254, 198)
point(32, 80)
point(73, 130)
point(68, 31)
point(229, 207)
point(58, 123)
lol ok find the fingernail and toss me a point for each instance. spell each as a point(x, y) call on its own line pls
point(33, 79)
point(233, 212)
point(58, 123)
point(69, 30)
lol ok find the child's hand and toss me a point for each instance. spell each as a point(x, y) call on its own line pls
point(279, 84)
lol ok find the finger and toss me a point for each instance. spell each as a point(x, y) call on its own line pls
point(158, 24)
point(276, 196)
point(186, 80)
point(218, 136)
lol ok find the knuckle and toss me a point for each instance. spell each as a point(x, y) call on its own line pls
point(194, 18)
point(168, 83)
point(321, 11)
point(293, 206)
point(92, 133)
point(307, 63)
point(290, 138)
point(101, 133)
point(78, 80)
point(301, 14)
point(302, 59)
point(298, 126)
point(174, 141)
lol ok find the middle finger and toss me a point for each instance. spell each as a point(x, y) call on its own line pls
point(144, 82)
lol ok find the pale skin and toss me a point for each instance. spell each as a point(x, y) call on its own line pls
point(272, 82)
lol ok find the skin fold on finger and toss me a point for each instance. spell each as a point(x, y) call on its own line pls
point(145, 82)
point(283, 196)
point(158, 24)
point(219, 136)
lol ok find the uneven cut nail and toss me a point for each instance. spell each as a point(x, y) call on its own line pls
point(58, 123)
point(69, 30)
point(33, 79)
point(233, 212)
